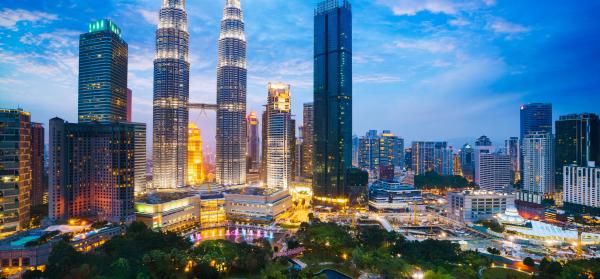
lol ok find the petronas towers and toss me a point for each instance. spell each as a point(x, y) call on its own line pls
point(171, 97)
point(231, 98)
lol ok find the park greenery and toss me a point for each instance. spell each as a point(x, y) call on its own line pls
point(432, 180)
point(142, 253)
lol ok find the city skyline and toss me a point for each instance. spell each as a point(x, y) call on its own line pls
point(484, 70)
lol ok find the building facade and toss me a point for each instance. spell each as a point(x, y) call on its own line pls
point(173, 212)
point(253, 164)
point(39, 185)
point(577, 141)
point(467, 161)
point(102, 73)
point(538, 163)
point(91, 170)
point(495, 172)
point(513, 150)
point(280, 151)
point(140, 157)
point(257, 206)
point(196, 174)
point(171, 97)
point(15, 170)
point(377, 150)
point(231, 98)
point(332, 97)
point(483, 145)
point(472, 206)
point(389, 196)
point(432, 156)
point(581, 189)
point(308, 141)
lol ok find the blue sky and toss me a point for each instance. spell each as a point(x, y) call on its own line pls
point(427, 70)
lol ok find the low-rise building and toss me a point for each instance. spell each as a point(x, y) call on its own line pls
point(257, 205)
point(386, 196)
point(212, 210)
point(169, 211)
point(472, 206)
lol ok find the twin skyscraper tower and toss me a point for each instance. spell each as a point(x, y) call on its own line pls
point(171, 97)
point(332, 97)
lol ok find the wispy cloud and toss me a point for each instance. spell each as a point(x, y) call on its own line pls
point(149, 16)
point(459, 22)
point(441, 45)
point(377, 78)
point(10, 18)
point(507, 27)
point(58, 39)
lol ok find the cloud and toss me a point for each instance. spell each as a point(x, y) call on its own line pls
point(412, 7)
point(459, 22)
point(506, 27)
point(149, 16)
point(140, 59)
point(376, 78)
point(442, 45)
point(9, 17)
point(59, 39)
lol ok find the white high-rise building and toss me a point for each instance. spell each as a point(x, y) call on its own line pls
point(494, 172)
point(538, 163)
point(483, 145)
point(581, 186)
point(279, 130)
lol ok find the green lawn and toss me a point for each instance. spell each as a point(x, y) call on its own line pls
point(502, 273)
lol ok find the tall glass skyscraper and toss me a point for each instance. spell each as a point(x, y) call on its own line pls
point(332, 97)
point(102, 73)
point(231, 98)
point(536, 117)
point(577, 142)
point(308, 145)
point(171, 96)
point(253, 163)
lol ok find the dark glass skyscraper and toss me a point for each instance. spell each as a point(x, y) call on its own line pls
point(171, 96)
point(536, 117)
point(102, 73)
point(38, 178)
point(577, 142)
point(231, 98)
point(332, 97)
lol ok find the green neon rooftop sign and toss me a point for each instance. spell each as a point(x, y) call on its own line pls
point(104, 25)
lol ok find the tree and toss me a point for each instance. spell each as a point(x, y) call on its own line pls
point(493, 251)
point(549, 269)
point(529, 262)
point(62, 259)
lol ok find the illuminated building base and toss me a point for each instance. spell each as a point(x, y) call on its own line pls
point(257, 205)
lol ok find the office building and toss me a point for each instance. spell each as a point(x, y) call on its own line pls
point(231, 98)
point(292, 144)
point(472, 206)
point(495, 170)
point(467, 161)
point(92, 170)
point(308, 142)
point(536, 117)
point(513, 150)
point(377, 150)
point(577, 141)
point(15, 170)
point(430, 156)
point(253, 163)
point(280, 151)
point(140, 157)
point(171, 97)
point(332, 97)
point(391, 196)
point(264, 145)
point(408, 163)
point(538, 163)
point(39, 185)
point(581, 189)
point(483, 145)
point(196, 173)
point(128, 114)
point(102, 73)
